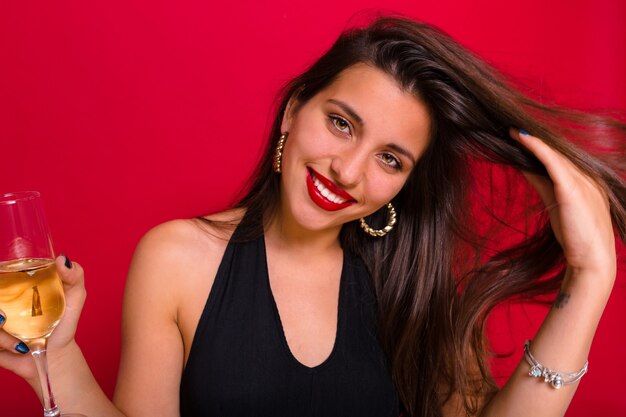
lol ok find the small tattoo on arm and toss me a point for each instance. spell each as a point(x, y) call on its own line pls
point(561, 299)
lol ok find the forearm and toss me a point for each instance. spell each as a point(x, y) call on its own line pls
point(562, 343)
point(75, 388)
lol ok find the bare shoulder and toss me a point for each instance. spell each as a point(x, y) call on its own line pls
point(179, 258)
point(185, 245)
point(170, 277)
point(174, 267)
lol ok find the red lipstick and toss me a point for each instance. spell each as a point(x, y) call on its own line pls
point(319, 199)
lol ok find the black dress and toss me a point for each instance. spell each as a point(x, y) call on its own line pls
point(240, 364)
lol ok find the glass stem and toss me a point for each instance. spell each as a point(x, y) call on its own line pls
point(39, 351)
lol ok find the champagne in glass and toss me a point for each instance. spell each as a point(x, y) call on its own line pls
point(24, 284)
point(31, 293)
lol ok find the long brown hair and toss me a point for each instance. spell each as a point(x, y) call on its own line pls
point(431, 311)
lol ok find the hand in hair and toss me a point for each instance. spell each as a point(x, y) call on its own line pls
point(580, 217)
point(579, 210)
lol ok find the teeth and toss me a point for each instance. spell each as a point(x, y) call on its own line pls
point(327, 193)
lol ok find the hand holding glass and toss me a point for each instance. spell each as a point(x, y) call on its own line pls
point(31, 292)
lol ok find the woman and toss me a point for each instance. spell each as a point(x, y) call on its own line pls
point(298, 302)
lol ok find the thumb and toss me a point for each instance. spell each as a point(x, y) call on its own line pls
point(73, 278)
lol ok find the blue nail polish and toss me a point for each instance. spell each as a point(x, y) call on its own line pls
point(2, 320)
point(22, 348)
point(523, 132)
point(68, 263)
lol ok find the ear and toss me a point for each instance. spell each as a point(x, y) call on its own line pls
point(290, 112)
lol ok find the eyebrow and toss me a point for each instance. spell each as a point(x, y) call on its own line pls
point(348, 110)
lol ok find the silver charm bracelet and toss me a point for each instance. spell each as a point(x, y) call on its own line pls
point(555, 378)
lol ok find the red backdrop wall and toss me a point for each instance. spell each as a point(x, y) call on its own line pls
point(125, 114)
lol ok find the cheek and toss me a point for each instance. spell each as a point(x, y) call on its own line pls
point(310, 140)
point(382, 188)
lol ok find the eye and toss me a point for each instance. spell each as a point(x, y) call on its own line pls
point(340, 124)
point(390, 160)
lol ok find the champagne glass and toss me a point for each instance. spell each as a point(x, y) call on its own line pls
point(31, 292)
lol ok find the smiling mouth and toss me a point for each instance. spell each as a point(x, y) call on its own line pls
point(325, 193)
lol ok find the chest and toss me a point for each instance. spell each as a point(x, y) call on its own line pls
point(307, 301)
point(268, 345)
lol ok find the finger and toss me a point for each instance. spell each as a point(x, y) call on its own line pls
point(73, 277)
point(559, 168)
point(8, 342)
point(71, 273)
point(563, 173)
point(21, 364)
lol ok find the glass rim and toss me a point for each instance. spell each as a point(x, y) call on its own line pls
point(14, 197)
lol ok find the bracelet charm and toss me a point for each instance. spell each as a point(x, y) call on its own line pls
point(555, 378)
point(535, 371)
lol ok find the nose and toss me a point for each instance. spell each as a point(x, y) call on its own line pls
point(349, 167)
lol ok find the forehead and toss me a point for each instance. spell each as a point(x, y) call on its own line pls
point(388, 111)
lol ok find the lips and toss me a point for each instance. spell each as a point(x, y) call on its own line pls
point(325, 193)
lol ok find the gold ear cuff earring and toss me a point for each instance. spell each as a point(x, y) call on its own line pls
point(380, 232)
point(278, 153)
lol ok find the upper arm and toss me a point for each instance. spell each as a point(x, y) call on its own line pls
point(166, 260)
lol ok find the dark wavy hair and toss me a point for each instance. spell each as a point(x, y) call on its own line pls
point(431, 310)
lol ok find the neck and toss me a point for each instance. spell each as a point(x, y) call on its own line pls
point(283, 232)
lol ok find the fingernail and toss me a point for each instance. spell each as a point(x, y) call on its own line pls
point(523, 132)
point(68, 263)
point(2, 319)
point(22, 348)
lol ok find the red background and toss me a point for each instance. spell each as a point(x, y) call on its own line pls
point(125, 114)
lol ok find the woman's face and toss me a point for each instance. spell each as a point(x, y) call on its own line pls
point(350, 148)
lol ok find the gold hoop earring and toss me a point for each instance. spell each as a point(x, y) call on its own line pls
point(381, 232)
point(278, 153)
